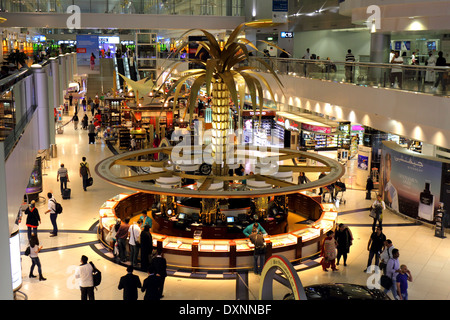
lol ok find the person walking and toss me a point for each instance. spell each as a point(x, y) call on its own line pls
point(84, 122)
point(75, 120)
point(344, 240)
point(430, 74)
point(135, 236)
point(397, 72)
point(259, 252)
point(130, 283)
point(85, 173)
point(121, 236)
point(402, 282)
point(392, 270)
point(375, 246)
point(33, 219)
point(328, 252)
point(349, 59)
point(302, 178)
point(369, 188)
point(63, 177)
point(159, 264)
point(34, 250)
point(146, 247)
point(83, 103)
point(92, 61)
point(386, 255)
point(377, 212)
point(90, 103)
point(53, 214)
point(151, 285)
point(84, 274)
point(440, 62)
point(91, 132)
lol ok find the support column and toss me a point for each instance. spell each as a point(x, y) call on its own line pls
point(56, 97)
point(6, 289)
point(380, 47)
point(41, 90)
point(62, 78)
point(67, 69)
point(379, 53)
point(75, 66)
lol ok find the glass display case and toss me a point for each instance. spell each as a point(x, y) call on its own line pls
point(244, 245)
point(177, 243)
point(307, 234)
point(214, 246)
point(283, 240)
point(330, 216)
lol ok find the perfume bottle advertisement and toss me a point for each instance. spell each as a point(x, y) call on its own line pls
point(410, 183)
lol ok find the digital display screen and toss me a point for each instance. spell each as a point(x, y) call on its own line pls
point(230, 219)
point(181, 216)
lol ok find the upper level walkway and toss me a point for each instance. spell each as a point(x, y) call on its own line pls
point(165, 7)
point(407, 105)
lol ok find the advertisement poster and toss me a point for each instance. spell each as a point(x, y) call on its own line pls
point(35, 182)
point(363, 162)
point(88, 54)
point(410, 184)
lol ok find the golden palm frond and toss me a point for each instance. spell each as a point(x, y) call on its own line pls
point(225, 64)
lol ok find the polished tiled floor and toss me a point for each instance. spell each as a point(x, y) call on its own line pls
point(427, 257)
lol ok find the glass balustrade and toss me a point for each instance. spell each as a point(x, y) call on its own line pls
point(169, 7)
point(414, 78)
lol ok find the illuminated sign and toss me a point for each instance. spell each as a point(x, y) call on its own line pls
point(285, 34)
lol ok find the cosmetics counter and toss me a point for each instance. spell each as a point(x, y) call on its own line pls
point(198, 252)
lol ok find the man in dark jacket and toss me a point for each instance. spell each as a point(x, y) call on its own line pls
point(160, 266)
point(440, 62)
point(151, 285)
point(33, 219)
point(130, 284)
point(146, 247)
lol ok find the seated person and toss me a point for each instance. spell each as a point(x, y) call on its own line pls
point(248, 230)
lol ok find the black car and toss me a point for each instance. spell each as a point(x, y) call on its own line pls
point(341, 291)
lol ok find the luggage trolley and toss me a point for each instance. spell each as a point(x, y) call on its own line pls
point(340, 187)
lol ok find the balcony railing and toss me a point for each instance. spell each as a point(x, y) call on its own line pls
point(415, 78)
point(169, 7)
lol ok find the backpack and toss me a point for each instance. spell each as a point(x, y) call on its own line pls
point(83, 169)
point(58, 207)
point(97, 275)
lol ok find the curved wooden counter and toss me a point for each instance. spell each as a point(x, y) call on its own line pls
point(230, 253)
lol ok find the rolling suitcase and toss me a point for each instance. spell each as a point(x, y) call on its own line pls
point(66, 194)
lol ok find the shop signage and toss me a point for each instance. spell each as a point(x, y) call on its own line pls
point(313, 128)
point(288, 124)
point(272, 265)
point(248, 113)
point(285, 34)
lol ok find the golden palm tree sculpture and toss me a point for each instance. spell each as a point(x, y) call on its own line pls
point(225, 75)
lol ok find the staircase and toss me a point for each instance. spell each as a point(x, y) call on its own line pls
point(103, 82)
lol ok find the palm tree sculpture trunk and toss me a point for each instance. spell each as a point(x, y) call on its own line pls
point(220, 126)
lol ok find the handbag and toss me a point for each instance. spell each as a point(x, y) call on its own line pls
point(27, 251)
point(372, 214)
point(386, 282)
point(90, 181)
